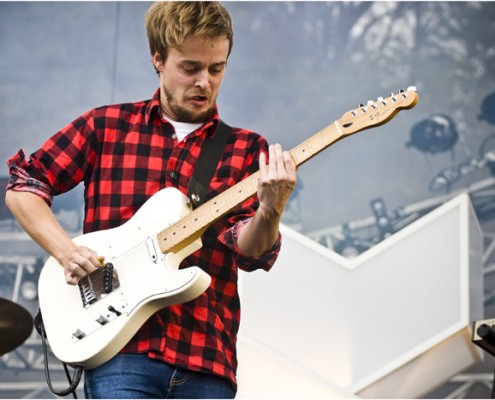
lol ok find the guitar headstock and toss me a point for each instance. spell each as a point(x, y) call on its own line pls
point(376, 113)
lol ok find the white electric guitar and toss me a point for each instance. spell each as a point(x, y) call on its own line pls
point(89, 323)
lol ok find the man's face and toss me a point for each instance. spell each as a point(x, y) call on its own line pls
point(191, 77)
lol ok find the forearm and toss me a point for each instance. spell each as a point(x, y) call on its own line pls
point(259, 234)
point(37, 219)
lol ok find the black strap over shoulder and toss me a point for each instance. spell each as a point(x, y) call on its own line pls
point(205, 165)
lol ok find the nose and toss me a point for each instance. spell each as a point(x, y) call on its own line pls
point(202, 79)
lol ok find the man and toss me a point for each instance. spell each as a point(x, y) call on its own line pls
point(124, 154)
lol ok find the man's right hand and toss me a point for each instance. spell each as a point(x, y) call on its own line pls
point(38, 220)
point(80, 262)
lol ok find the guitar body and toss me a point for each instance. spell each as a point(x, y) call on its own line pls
point(90, 323)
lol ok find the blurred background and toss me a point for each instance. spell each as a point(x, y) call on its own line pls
point(295, 68)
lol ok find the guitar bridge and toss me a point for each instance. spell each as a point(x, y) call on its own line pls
point(98, 284)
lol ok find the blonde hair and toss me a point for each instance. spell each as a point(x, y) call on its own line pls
point(169, 23)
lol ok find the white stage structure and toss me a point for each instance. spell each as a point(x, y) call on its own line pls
point(393, 322)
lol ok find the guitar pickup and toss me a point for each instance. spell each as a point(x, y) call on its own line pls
point(98, 284)
point(152, 250)
point(107, 278)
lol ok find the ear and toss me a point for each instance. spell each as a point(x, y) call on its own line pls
point(157, 62)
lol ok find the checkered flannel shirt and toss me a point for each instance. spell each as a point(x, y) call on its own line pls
point(124, 154)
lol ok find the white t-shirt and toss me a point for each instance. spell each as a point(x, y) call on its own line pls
point(182, 129)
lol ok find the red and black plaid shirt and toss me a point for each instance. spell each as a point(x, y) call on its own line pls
point(124, 154)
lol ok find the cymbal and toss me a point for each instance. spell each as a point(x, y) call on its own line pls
point(16, 324)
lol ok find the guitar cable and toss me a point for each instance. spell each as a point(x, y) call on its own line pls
point(76, 377)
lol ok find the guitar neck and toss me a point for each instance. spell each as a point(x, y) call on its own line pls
point(191, 227)
point(194, 224)
point(316, 143)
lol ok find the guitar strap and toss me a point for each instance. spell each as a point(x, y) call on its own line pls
point(204, 169)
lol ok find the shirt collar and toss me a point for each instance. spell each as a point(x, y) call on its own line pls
point(153, 109)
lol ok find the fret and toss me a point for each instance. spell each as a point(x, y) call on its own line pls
point(240, 191)
point(256, 184)
point(319, 141)
point(330, 135)
point(194, 221)
point(253, 181)
point(295, 156)
point(339, 130)
point(231, 198)
point(310, 148)
point(325, 137)
point(185, 228)
point(208, 212)
point(163, 241)
point(298, 154)
point(303, 152)
point(167, 238)
point(216, 208)
point(238, 194)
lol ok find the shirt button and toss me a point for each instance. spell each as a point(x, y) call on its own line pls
point(173, 175)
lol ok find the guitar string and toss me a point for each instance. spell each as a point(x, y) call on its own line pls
point(195, 222)
point(120, 263)
point(325, 133)
point(95, 279)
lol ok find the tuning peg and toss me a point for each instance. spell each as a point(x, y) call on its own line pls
point(371, 103)
point(412, 89)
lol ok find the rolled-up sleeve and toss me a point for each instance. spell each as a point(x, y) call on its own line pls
point(23, 177)
point(59, 165)
point(265, 261)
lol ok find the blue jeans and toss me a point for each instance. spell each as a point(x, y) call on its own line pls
point(133, 376)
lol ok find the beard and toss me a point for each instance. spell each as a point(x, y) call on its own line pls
point(182, 114)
